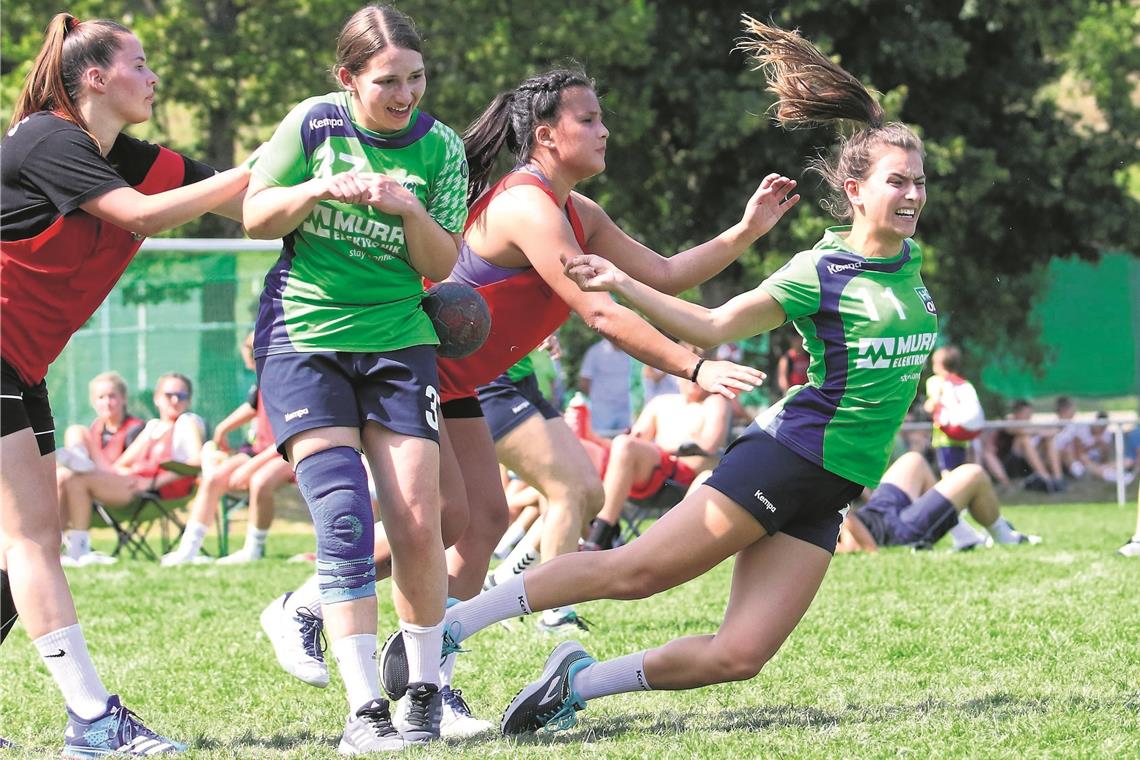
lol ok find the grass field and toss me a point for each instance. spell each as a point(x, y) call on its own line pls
point(1027, 652)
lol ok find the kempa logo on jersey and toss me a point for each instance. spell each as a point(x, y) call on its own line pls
point(360, 230)
point(884, 353)
point(837, 268)
point(327, 121)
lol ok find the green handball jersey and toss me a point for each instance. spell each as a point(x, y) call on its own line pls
point(344, 281)
point(869, 325)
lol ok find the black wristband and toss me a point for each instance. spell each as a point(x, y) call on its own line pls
point(696, 371)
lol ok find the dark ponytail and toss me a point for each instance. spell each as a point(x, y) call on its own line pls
point(510, 121)
point(812, 90)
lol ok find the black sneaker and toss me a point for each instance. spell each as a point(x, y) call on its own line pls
point(550, 702)
point(394, 669)
point(423, 713)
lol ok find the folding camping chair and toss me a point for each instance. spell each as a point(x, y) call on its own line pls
point(133, 522)
point(637, 511)
point(231, 502)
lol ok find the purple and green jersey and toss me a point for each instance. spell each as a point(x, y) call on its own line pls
point(868, 325)
point(344, 281)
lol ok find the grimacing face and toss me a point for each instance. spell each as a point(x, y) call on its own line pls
point(893, 194)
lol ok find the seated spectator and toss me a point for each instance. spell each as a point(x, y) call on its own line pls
point(256, 467)
point(792, 367)
point(641, 461)
point(946, 366)
point(910, 509)
point(1015, 452)
point(175, 436)
point(114, 429)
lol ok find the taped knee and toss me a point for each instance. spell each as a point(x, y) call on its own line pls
point(335, 487)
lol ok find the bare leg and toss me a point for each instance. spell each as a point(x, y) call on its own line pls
point(911, 474)
point(213, 487)
point(476, 473)
point(773, 584)
point(546, 454)
point(30, 517)
point(632, 460)
point(968, 487)
point(271, 476)
point(83, 489)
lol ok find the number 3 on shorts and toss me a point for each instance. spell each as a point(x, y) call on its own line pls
point(432, 412)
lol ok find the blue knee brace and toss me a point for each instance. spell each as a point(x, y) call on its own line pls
point(335, 487)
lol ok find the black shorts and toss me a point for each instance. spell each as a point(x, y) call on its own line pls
point(25, 406)
point(506, 403)
point(304, 391)
point(782, 490)
point(899, 521)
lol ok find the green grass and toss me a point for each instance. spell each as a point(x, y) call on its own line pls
point(1027, 652)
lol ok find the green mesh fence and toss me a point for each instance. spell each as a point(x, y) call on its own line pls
point(183, 306)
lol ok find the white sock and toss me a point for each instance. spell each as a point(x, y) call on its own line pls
point(963, 534)
point(513, 535)
point(447, 670)
point(523, 556)
point(1002, 532)
point(616, 676)
point(255, 541)
point(506, 600)
point(422, 644)
point(308, 595)
point(356, 660)
point(78, 543)
point(192, 538)
point(65, 654)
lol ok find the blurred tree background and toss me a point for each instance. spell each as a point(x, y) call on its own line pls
point(1029, 111)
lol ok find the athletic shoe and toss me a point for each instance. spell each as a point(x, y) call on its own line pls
point(1023, 538)
point(457, 721)
point(298, 641)
point(5, 744)
point(87, 559)
point(179, 557)
point(549, 703)
point(422, 714)
point(983, 542)
point(1130, 549)
point(117, 731)
point(370, 730)
point(74, 458)
point(240, 557)
point(394, 669)
point(568, 624)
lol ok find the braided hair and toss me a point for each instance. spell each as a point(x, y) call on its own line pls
point(811, 90)
point(510, 120)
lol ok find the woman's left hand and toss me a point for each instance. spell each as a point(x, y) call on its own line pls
point(769, 203)
point(389, 196)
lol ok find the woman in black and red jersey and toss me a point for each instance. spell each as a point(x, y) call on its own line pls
point(76, 200)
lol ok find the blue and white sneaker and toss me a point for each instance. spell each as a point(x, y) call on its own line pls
point(297, 641)
point(550, 703)
point(569, 623)
point(394, 670)
point(117, 732)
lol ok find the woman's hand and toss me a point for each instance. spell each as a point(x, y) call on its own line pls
point(389, 196)
point(593, 273)
point(769, 203)
point(348, 187)
point(727, 378)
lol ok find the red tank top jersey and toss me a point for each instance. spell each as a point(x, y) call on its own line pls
point(524, 309)
point(161, 450)
point(117, 441)
point(53, 279)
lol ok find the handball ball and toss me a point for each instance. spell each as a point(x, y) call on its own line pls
point(460, 317)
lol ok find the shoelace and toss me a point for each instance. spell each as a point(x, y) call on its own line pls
point(453, 698)
point(380, 718)
point(450, 644)
point(577, 621)
point(562, 719)
point(419, 708)
point(134, 726)
point(312, 633)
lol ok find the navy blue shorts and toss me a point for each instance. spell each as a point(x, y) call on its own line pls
point(25, 406)
point(304, 391)
point(902, 521)
point(506, 403)
point(949, 457)
point(782, 490)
